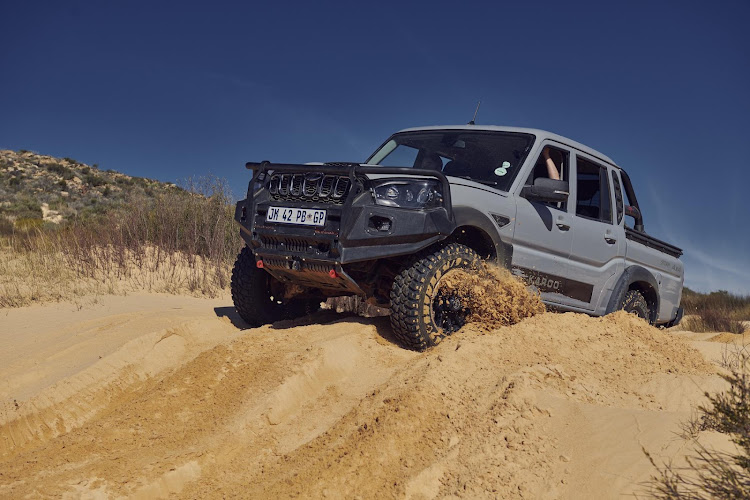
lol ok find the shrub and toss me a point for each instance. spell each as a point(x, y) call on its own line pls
point(63, 185)
point(25, 207)
point(65, 172)
point(107, 191)
point(6, 226)
point(713, 474)
point(70, 160)
point(93, 180)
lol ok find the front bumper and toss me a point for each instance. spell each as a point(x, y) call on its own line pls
point(356, 230)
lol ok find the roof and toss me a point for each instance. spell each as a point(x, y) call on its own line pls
point(540, 134)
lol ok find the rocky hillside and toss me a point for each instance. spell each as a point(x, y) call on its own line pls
point(37, 189)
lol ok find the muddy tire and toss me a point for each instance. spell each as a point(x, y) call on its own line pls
point(415, 321)
point(253, 296)
point(635, 303)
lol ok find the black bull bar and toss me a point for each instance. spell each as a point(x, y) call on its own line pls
point(327, 271)
point(352, 170)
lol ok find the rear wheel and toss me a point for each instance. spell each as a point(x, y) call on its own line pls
point(258, 297)
point(635, 303)
point(421, 313)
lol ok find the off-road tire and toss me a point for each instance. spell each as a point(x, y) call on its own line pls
point(413, 291)
point(251, 294)
point(635, 303)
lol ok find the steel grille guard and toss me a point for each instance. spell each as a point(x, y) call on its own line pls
point(352, 170)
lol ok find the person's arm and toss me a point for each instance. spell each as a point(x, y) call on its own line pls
point(552, 171)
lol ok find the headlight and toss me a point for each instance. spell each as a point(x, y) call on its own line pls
point(419, 194)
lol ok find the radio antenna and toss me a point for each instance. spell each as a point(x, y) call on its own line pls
point(475, 114)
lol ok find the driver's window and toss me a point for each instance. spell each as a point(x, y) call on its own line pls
point(560, 159)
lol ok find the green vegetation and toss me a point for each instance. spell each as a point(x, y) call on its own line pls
point(73, 189)
point(715, 312)
point(93, 180)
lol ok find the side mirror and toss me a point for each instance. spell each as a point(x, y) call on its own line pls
point(545, 189)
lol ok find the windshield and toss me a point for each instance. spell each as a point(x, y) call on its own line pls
point(492, 158)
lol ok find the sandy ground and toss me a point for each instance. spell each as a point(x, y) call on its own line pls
point(157, 396)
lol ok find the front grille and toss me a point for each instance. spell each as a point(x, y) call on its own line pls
point(312, 187)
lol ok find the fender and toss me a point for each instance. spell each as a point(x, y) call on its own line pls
point(634, 274)
point(467, 216)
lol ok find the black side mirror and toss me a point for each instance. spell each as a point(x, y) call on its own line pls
point(545, 189)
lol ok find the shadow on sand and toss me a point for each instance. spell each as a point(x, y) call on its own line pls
point(382, 324)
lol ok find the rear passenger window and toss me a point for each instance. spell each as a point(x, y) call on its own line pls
point(629, 219)
point(593, 195)
point(618, 196)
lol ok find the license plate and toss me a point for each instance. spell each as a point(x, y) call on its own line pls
point(303, 216)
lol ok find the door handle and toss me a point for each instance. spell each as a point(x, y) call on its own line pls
point(563, 226)
point(610, 240)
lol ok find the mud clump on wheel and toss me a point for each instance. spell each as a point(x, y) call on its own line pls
point(492, 296)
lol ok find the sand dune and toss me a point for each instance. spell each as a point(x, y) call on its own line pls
point(153, 395)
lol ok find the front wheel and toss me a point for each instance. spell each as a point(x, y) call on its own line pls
point(258, 297)
point(421, 313)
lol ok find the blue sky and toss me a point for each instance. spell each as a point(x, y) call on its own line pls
point(171, 90)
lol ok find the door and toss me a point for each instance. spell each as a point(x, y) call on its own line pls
point(597, 244)
point(542, 239)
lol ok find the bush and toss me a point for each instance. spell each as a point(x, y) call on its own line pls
point(713, 474)
point(65, 172)
point(6, 226)
point(25, 207)
point(93, 180)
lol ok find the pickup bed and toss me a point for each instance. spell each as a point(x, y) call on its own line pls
point(561, 216)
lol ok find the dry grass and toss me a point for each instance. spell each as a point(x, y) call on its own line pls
point(715, 312)
point(719, 320)
point(179, 242)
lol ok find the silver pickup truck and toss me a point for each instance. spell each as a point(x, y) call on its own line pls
point(561, 216)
